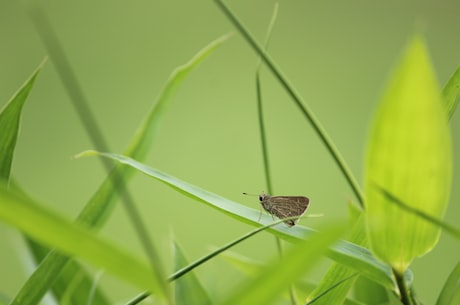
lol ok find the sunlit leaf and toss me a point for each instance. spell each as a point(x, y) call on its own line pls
point(409, 155)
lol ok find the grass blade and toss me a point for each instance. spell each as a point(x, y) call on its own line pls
point(451, 288)
point(263, 136)
point(273, 280)
point(309, 115)
point(10, 117)
point(331, 288)
point(73, 239)
point(73, 277)
point(338, 272)
point(351, 255)
point(188, 290)
point(183, 271)
point(451, 93)
point(102, 202)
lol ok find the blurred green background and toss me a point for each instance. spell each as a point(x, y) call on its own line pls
point(337, 54)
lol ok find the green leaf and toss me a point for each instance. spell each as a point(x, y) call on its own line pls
point(102, 202)
point(73, 277)
point(368, 292)
point(73, 240)
point(451, 93)
point(409, 155)
point(351, 255)
point(188, 289)
point(338, 272)
point(451, 289)
point(272, 281)
point(10, 117)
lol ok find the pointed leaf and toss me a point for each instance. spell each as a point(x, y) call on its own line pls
point(451, 288)
point(338, 272)
point(188, 289)
point(409, 155)
point(451, 93)
point(10, 116)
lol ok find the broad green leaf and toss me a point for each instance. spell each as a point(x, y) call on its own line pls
point(102, 202)
point(349, 254)
point(451, 93)
point(408, 155)
point(188, 290)
point(73, 240)
point(10, 117)
point(451, 290)
point(272, 281)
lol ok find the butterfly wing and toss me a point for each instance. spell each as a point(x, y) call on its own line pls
point(286, 206)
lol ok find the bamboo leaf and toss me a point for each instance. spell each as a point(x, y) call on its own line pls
point(409, 155)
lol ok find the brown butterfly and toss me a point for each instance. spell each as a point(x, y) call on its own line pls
point(284, 206)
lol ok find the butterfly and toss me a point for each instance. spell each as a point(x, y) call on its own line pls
point(285, 206)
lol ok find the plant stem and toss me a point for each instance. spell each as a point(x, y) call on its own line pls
point(319, 129)
point(403, 289)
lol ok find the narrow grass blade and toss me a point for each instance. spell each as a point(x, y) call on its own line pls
point(74, 284)
point(451, 289)
point(351, 255)
point(408, 155)
point(102, 202)
point(188, 289)
point(272, 281)
point(304, 109)
point(10, 117)
point(263, 136)
point(451, 93)
point(9, 126)
point(74, 240)
point(185, 270)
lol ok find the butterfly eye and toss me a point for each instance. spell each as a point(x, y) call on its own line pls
point(261, 198)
